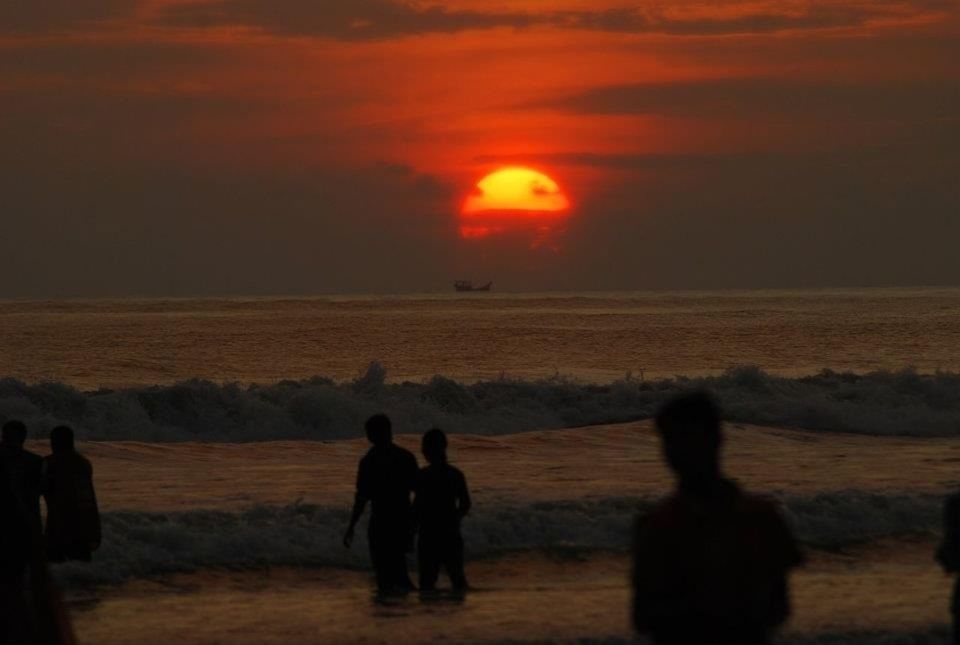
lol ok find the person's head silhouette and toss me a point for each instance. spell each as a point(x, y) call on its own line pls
point(61, 439)
point(14, 434)
point(689, 426)
point(379, 430)
point(434, 446)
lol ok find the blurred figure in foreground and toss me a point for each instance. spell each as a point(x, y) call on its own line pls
point(948, 555)
point(24, 468)
point(710, 562)
point(73, 519)
point(386, 476)
point(442, 502)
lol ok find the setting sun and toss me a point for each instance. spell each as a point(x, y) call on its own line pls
point(516, 188)
point(511, 199)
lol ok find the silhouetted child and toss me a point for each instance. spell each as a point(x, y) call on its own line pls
point(73, 519)
point(442, 501)
point(948, 555)
point(710, 562)
point(386, 476)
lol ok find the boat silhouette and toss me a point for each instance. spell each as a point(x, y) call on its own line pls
point(467, 285)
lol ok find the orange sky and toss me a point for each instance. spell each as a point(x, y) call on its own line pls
point(620, 102)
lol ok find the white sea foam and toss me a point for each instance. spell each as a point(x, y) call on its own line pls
point(138, 544)
point(903, 402)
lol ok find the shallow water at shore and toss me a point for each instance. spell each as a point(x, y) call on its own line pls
point(618, 460)
point(184, 562)
point(893, 586)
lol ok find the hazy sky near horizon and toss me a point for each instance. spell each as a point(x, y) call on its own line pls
point(194, 147)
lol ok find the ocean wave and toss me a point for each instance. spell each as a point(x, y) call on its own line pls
point(140, 544)
point(886, 403)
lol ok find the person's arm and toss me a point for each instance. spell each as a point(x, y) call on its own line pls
point(789, 557)
point(45, 479)
point(463, 498)
point(416, 510)
point(96, 536)
point(359, 503)
point(947, 552)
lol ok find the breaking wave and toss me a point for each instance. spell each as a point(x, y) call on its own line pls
point(887, 403)
point(138, 544)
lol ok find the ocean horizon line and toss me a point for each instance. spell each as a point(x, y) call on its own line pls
point(491, 295)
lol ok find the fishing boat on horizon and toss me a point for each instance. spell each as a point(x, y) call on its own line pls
point(467, 285)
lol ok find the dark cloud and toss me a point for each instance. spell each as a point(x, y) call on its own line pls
point(354, 20)
point(111, 61)
point(874, 216)
point(376, 19)
point(146, 229)
point(754, 19)
point(44, 16)
point(706, 99)
point(608, 160)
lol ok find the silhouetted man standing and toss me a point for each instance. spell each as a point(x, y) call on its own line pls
point(386, 476)
point(73, 519)
point(948, 555)
point(23, 468)
point(710, 562)
point(442, 501)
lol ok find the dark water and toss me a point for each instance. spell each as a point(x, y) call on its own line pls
point(593, 336)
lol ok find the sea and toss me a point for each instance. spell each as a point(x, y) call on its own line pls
point(224, 435)
point(593, 337)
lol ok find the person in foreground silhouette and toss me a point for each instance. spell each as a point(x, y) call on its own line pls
point(442, 501)
point(24, 468)
point(386, 477)
point(73, 519)
point(948, 555)
point(31, 610)
point(710, 563)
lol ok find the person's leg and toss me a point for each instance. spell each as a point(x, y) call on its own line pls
point(401, 572)
point(379, 558)
point(428, 562)
point(454, 563)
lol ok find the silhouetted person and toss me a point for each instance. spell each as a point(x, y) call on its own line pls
point(948, 555)
point(73, 519)
point(386, 476)
point(31, 611)
point(14, 558)
point(710, 562)
point(24, 468)
point(442, 501)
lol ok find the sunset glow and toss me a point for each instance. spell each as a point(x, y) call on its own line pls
point(453, 138)
point(511, 199)
point(516, 188)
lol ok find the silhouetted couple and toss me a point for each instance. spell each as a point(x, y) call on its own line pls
point(30, 607)
point(65, 480)
point(710, 562)
point(386, 477)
